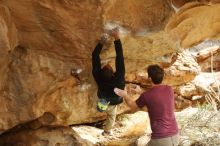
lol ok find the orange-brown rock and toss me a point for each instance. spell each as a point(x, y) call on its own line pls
point(53, 136)
point(136, 16)
point(183, 70)
point(194, 23)
point(181, 103)
point(42, 41)
point(180, 3)
point(209, 59)
point(8, 41)
point(142, 51)
point(53, 38)
point(128, 128)
point(187, 91)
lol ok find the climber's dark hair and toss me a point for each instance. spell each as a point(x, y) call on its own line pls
point(156, 73)
point(107, 72)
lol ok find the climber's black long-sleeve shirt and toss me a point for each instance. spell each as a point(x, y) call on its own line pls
point(106, 89)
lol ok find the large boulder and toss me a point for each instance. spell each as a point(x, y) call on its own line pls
point(45, 136)
point(42, 41)
point(54, 38)
point(129, 129)
point(194, 23)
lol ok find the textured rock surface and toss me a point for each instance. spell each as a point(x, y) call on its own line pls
point(128, 128)
point(179, 3)
point(187, 90)
point(199, 126)
point(55, 37)
point(197, 90)
point(41, 41)
point(207, 55)
point(8, 41)
point(136, 16)
point(209, 60)
point(206, 64)
point(45, 136)
point(194, 23)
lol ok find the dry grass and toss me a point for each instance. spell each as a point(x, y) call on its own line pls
point(213, 99)
point(200, 128)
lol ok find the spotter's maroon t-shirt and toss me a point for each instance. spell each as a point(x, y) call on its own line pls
point(160, 103)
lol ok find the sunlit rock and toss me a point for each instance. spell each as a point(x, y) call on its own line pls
point(53, 136)
point(194, 23)
point(46, 47)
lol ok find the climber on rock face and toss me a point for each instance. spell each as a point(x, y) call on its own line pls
point(107, 80)
point(159, 101)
